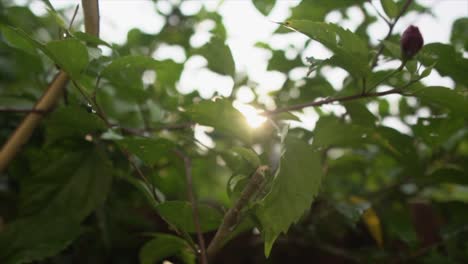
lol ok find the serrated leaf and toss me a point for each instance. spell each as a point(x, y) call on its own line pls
point(221, 115)
point(163, 246)
point(36, 238)
point(390, 8)
point(180, 214)
point(445, 98)
point(70, 54)
point(350, 52)
point(219, 57)
point(264, 6)
point(292, 190)
point(77, 183)
point(72, 121)
point(148, 149)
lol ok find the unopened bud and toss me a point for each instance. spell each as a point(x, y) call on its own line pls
point(411, 42)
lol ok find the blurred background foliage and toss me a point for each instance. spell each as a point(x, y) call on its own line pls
point(75, 194)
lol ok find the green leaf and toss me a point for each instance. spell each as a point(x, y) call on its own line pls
point(390, 8)
point(90, 39)
point(70, 54)
point(317, 9)
point(459, 36)
point(148, 149)
point(292, 190)
point(448, 61)
point(163, 246)
point(329, 132)
point(427, 71)
point(264, 6)
point(350, 52)
point(77, 183)
point(19, 39)
point(279, 62)
point(180, 214)
point(36, 238)
point(72, 121)
point(445, 98)
point(360, 115)
point(219, 57)
point(221, 115)
point(241, 160)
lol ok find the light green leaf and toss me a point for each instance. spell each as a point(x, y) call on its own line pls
point(444, 97)
point(219, 57)
point(350, 52)
point(19, 39)
point(70, 54)
point(35, 238)
point(148, 149)
point(90, 39)
point(241, 160)
point(427, 71)
point(459, 36)
point(180, 214)
point(221, 115)
point(317, 9)
point(292, 190)
point(76, 183)
point(390, 8)
point(264, 6)
point(163, 246)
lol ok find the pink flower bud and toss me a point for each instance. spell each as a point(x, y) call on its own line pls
point(411, 42)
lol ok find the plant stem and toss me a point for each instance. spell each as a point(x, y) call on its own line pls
point(390, 31)
point(193, 201)
point(232, 216)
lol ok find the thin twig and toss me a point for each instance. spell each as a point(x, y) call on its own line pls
point(193, 201)
point(73, 17)
point(390, 31)
point(332, 100)
point(231, 218)
point(380, 14)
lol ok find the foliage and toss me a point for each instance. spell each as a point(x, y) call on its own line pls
point(118, 171)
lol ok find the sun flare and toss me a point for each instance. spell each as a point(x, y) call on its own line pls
point(251, 114)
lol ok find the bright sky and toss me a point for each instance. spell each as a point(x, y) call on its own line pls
point(246, 26)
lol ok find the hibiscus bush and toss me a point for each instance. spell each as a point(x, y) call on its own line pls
point(105, 159)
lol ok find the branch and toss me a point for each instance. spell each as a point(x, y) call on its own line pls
point(50, 97)
point(331, 100)
point(390, 31)
point(231, 217)
point(193, 201)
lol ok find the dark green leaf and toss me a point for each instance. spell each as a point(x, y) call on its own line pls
point(163, 246)
point(447, 61)
point(360, 115)
point(329, 132)
point(77, 183)
point(148, 149)
point(317, 10)
point(221, 115)
point(219, 57)
point(350, 51)
point(20, 40)
point(292, 191)
point(180, 214)
point(90, 39)
point(36, 238)
point(445, 98)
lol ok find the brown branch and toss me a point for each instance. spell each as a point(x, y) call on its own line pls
point(232, 216)
point(332, 100)
point(193, 201)
point(390, 31)
point(50, 97)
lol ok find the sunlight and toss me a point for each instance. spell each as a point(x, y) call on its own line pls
point(251, 114)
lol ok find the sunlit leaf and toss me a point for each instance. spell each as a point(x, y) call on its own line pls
point(292, 191)
point(219, 57)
